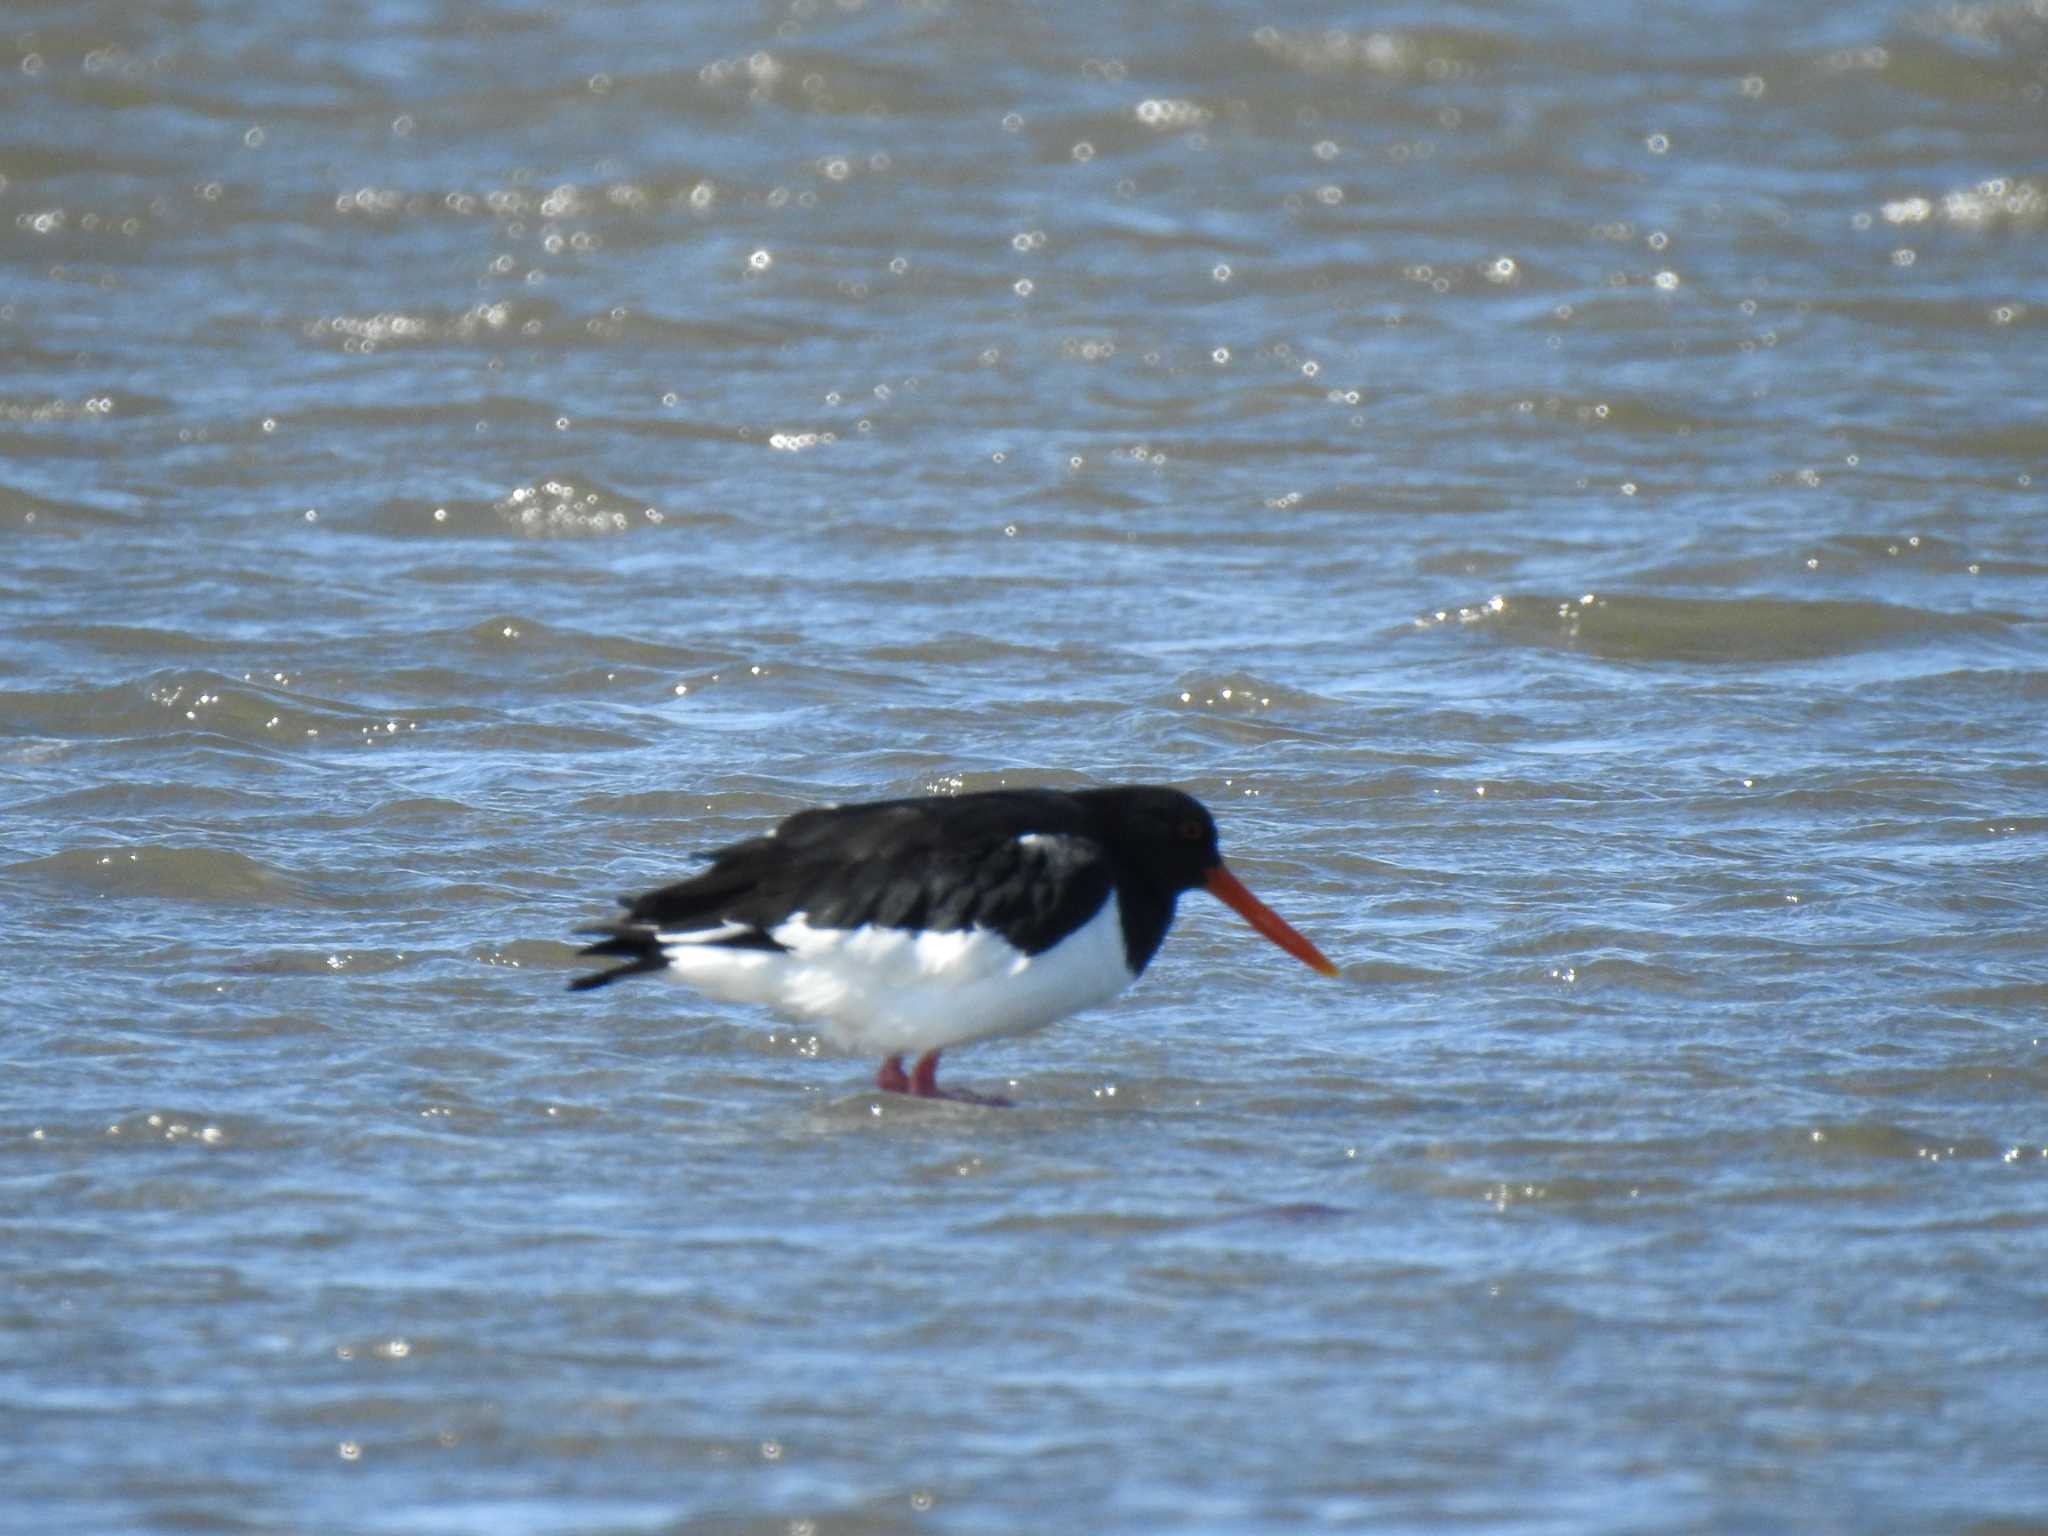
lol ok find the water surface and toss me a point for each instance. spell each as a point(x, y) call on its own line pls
point(1564, 485)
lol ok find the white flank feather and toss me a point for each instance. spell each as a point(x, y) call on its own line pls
point(716, 935)
point(889, 991)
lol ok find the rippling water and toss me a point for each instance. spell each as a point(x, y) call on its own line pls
point(1565, 486)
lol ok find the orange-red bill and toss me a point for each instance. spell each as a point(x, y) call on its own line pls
point(1229, 890)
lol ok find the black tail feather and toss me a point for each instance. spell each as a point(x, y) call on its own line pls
point(638, 947)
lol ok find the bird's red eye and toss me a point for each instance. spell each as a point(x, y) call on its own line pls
point(1191, 831)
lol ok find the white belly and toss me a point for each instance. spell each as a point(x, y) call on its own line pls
point(884, 991)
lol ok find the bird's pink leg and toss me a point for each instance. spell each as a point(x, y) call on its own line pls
point(891, 1078)
point(924, 1082)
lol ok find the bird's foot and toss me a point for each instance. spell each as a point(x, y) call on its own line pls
point(924, 1083)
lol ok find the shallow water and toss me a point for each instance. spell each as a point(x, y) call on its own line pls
point(1567, 490)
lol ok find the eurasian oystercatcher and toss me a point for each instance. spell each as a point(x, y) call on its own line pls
point(903, 927)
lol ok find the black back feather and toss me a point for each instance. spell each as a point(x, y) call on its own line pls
point(1033, 864)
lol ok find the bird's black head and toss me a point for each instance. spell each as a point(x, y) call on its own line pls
point(1164, 842)
point(1163, 837)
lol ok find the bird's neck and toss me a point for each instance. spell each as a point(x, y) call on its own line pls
point(1146, 913)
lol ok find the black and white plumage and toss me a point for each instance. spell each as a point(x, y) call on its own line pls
point(903, 927)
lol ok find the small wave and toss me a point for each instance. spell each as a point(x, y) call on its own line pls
point(1750, 629)
point(21, 508)
point(254, 708)
point(128, 639)
point(452, 516)
point(1438, 52)
point(561, 505)
point(1884, 1141)
point(492, 636)
point(1243, 693)
point(185, 874)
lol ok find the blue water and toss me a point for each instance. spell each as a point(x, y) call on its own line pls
point(1564, 488)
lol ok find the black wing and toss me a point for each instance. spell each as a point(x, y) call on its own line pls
point(1023, 862)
